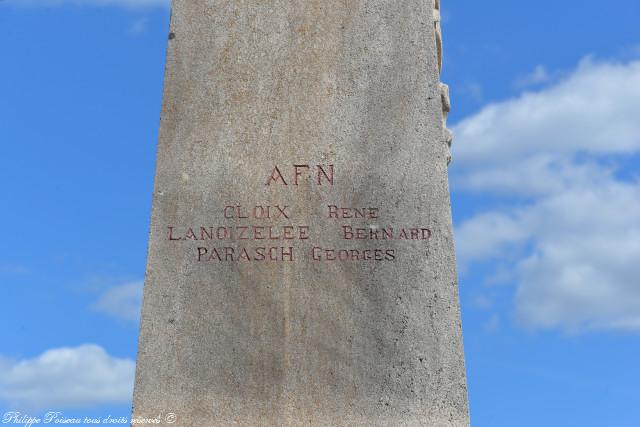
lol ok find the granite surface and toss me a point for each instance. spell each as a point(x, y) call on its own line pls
point(301, 268)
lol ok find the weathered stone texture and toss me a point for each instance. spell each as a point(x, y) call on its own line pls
point(251, 85)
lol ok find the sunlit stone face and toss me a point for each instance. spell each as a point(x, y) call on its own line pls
point(301, 267)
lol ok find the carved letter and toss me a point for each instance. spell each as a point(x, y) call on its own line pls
point(328, 177)
point(275, 176)
point(298, 172)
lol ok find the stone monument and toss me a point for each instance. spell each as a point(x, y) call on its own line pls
point(301, 269)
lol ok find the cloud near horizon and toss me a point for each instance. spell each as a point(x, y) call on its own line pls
point(84, 376)
point(573, 237)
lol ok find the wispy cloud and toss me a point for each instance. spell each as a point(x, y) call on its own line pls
point(492, 324)
point(573, 244)
point(138, 27)
point(538, 76)
point(122, 302)
point(471, 90)
point(60, 378)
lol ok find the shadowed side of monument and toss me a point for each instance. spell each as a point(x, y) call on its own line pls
point(301, 267)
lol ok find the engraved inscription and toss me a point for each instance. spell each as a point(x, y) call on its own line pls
point(302, 172)
point(271, 232)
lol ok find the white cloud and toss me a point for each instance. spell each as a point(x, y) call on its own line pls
point(574, 245)
point(574, 253)
point(133, 4)
point(488, 235)
point(583, 272)
point(594, 111)
point(539, 75)
point(83, 376)
point(122, 302)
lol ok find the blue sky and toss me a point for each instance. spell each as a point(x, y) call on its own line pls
point(546, 203)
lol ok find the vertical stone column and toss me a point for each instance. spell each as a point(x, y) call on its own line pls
point(301, 268)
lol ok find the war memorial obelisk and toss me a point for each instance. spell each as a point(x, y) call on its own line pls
point(301, 268)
